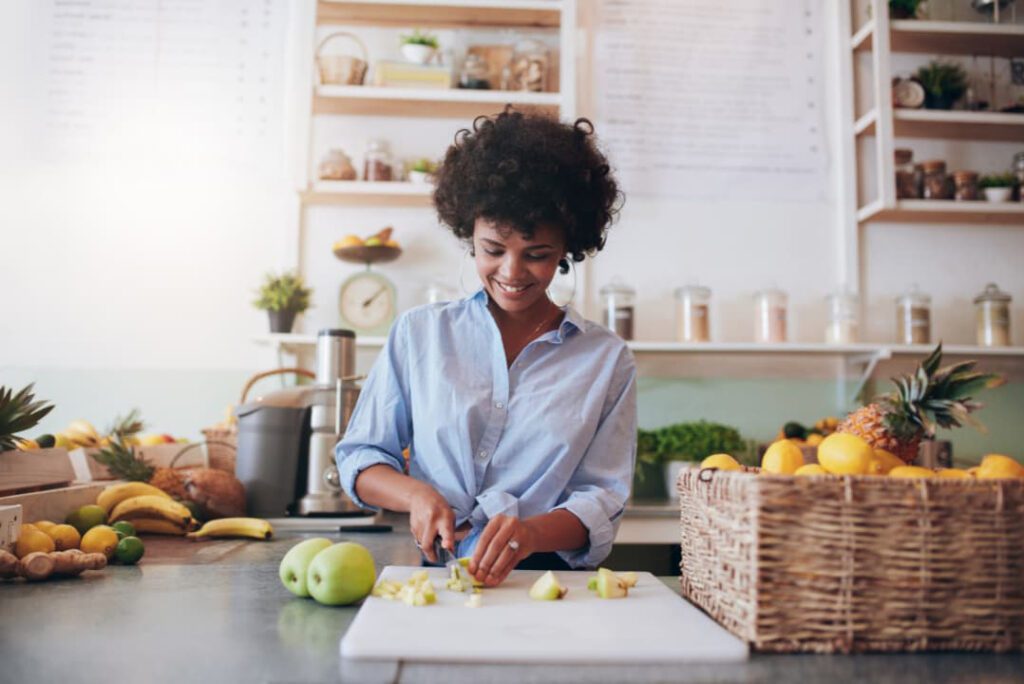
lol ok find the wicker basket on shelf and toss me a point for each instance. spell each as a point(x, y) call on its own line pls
point(222, 439)
point(832, 564)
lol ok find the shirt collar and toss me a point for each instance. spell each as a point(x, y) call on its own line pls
point(572, 319)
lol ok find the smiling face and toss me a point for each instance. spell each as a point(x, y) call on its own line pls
point(516, 269)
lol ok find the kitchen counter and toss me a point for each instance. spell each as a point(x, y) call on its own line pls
point(216, 611)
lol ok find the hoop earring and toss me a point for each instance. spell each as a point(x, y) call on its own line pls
point(572, 293)
point(462, 270)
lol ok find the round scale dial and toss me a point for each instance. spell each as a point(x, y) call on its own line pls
point(367, 303)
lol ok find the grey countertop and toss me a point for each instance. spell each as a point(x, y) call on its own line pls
point(216, 611)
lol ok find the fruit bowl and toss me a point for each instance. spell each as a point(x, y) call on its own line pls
point(373, 254)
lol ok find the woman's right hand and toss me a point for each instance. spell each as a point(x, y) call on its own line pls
point(430, 516)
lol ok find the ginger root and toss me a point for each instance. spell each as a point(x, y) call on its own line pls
point(38, 566)
point(8, 565)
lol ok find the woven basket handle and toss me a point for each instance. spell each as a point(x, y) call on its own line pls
point(346, 34)
point(277, 371)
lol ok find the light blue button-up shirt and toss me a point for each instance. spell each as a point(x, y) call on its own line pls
point(555, 430)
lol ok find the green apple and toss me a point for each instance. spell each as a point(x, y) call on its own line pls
point(373, 242)
point(341, 574)
point(547, 588)
point(295, 564)
point(609, 586)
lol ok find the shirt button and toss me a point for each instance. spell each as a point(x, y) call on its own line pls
point(499, 405)
point(482, 455)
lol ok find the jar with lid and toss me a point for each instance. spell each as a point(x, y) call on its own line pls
point(992, 316)
point(935, 185)
point(336, 165)
point(473, 74)
point(1018, 170)
point(966, 185)
point(617, 304)
point(913, 317)
point(693, 320)
point(377, 161)
point(908, 176)
point(842, 318)
point(770, 316)
point(528, 68)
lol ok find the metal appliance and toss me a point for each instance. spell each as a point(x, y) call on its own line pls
point(286, 438)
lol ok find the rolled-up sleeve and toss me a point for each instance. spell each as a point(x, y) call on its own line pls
point(599, 488)
point(380, 426)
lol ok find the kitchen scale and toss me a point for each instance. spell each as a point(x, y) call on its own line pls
point(368, 300)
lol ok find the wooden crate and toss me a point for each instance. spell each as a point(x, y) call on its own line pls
point(26, 471)
point(849, 564)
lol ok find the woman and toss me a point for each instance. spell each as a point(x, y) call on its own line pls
point(520, 416)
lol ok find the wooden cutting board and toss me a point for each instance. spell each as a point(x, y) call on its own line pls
point(651, 625)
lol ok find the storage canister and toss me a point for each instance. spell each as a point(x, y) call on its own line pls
point(913, 318)
point(693, 320)
point(770, 316)
point(617, 303)
point(377, 162)
point(992, 315)
point(966, 185)
point(908, 176)
point(842, 318)
point(935, 185)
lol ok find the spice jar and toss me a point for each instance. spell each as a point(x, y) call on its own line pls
point(336, 165)
point(474, 73)
point(528, 69)
point(693, 321)
point(966, 185)
point(935, 185)
point(617, 301)
point(992, 315)
point(908, 176)
point(842, 318)
point(770, 316)
point(913, 318)
point(377, 161)
point(1018, 170)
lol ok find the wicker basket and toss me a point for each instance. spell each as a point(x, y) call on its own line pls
point(833, 564)
point(341, 69)
point(221, 440)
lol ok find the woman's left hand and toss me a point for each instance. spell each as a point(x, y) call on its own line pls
point(496, 555)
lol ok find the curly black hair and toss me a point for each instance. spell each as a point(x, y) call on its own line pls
point(523, 170)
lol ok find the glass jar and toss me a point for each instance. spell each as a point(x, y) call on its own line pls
point(992, 316)
point(966, 186)
point(693, 319)
point(528, 69)
point(617, 303)
point(473, 74)
point(770, 316)
point(913, 318)
point(1018, 170)
point(935, 184)
point(336, 165)
point(377, 161)
point(842, 318)
point(908, 176)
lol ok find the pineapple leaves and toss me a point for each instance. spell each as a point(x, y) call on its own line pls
point(130, 425)
point(19, 412)
point(120, 459)
point(931, 364)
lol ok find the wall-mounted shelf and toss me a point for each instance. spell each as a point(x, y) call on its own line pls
point(947, 125)
point(944, 211)
point(944, 37)
point(368, 193)
point(453, 102)
point(440, 14)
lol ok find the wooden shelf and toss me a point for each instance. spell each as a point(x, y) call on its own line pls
point(454, 102)
point(959, 125)
point(441, 14)
point(944, 211)
point(364, 193)
point(295, 341)
point(957, 38)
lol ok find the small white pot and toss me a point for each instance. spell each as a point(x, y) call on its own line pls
point(419, 177)
point(998, 194)
point(419, 54)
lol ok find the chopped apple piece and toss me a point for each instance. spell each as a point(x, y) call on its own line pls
point(628, 578)
point(609, 586)
point(474, 600)
point(547, 588)
point(456, 582)
point(418, 590)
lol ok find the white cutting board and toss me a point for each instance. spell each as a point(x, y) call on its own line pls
point(651, 625)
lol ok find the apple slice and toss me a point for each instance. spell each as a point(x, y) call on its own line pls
point(609, 586)
point(547, 588)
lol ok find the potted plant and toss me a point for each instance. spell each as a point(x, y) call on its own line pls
point(903, 9)
point(282, 296)
point(998, 187)
point(419, 47)
point(673, 445)
point(944, 83)
point(421, 170)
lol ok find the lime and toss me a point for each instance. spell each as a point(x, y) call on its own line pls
point(129, 550)
point(124, 529)
point(86, 518)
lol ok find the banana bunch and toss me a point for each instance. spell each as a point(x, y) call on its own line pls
point(79, 433)
point(147, 508)
point(251, 528)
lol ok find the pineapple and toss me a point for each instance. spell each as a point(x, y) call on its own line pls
point(18, 412)
point(121, 461)
point(930, 397)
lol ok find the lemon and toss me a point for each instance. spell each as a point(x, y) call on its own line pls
point(31, 540)
point(811, 469)
point(844, 454)
point(954, 473)
point(814, 439)
point(64, 537)
point(100, 539)
point(883, 461)
point(721, 461)
point(43, 525)
point(998, 466)
point(782, 458)
point(911, 472)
